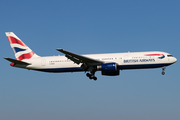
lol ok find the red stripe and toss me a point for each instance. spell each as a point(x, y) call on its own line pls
point(13, 40)
point(26, 56)
point(154, 55)
point(12, 64)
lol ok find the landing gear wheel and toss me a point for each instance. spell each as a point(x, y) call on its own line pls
point(95, 78)
point(88, 75)
point(91, 76)
point(92, 70)
point(163, 73)
point(163, 69)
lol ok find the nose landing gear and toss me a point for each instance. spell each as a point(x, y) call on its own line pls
point(163, 70)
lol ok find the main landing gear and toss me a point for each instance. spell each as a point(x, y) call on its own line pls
point(92, 70)
point(91, 76)
point(163, 70)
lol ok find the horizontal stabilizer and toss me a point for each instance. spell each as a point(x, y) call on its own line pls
point(17, 61)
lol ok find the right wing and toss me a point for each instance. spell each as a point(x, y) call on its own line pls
point(79, 58)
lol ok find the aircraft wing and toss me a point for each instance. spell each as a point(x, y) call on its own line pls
point(80, 58)
point(17, 61)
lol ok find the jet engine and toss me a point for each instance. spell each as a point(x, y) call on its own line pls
point(109, 69)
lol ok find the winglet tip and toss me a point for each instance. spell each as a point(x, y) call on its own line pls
point(59, 49)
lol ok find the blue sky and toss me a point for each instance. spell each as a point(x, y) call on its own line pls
point(86, 27)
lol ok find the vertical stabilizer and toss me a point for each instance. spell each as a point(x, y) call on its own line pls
point(21, 50)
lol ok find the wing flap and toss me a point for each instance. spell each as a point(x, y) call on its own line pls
point(80, 58)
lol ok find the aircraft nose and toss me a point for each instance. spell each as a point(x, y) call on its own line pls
point(174, 60)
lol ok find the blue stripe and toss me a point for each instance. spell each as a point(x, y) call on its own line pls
point(142, 66)
point(18, 49)
point(120, 67)
point(74, 69)
point(162, 57)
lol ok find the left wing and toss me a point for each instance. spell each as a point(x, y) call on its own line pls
point(80, 58)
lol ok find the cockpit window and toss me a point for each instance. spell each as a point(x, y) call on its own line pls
point(169, 55)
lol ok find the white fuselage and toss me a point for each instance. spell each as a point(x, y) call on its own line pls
point(109, 64)
point(130, 60)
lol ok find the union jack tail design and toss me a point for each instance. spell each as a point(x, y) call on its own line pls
point(21, 50)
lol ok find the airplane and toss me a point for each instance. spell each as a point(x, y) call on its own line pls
point(109, 64)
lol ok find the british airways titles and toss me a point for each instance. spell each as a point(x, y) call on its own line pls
point(139, 60)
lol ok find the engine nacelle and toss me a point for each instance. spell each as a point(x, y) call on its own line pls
point(109, 69)
point(110, 73)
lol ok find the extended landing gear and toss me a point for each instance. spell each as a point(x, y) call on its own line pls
point(91, 76)
point(163, 73)
point(92, 70)
point(163, 70)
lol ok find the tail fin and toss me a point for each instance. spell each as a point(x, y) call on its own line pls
point(21, 50)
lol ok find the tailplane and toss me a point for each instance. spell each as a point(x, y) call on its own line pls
point(21, 50)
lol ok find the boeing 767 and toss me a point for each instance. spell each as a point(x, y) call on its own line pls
point(109, 64)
